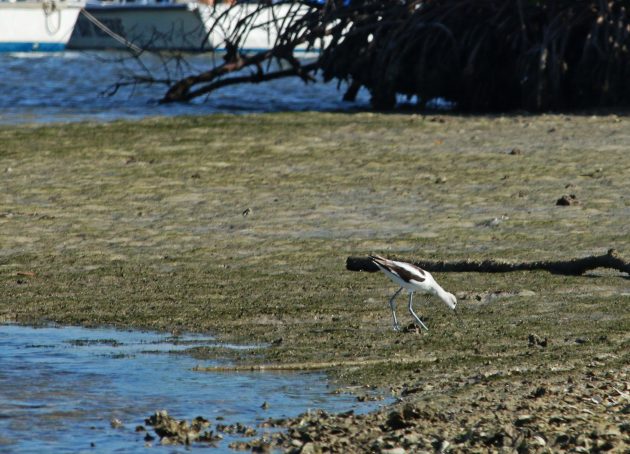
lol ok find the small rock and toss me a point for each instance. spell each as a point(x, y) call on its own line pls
point(264, 405)
point(526, 293)
point(411, 439)
point(309, 448)
point(167, 441)
point(539, 392)
point(240, 446)
point(536, 341)
point(116, 423)
point(539, 441)
point(523, 420)
point(567, 200)
point(246, 212)
point(411, 328)
point(198, 424)
point(411, 412)
point(604, 445)
point(558, 419)
point(562, 439)
point(345, 414)
point(393, 451)
point(237, 428)
point(396, 421)
point(611, 434)
point(494, 222)
point(515, 151)
point(597, 173)
point(173, 431)
point(596, 399)
point(209, 437)
point(583, 440)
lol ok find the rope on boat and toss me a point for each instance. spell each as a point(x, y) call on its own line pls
point(50, 7)
point(121, 39)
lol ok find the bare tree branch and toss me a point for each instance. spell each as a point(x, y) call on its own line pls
point(256, 77)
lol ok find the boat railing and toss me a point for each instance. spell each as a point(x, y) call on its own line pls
point(43, 2)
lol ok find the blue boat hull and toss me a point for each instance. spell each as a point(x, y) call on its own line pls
point(32, 47)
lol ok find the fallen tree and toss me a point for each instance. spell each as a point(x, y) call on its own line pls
point(572, 267)
point(483, 55)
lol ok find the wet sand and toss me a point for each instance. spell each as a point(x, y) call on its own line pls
point(240, 226)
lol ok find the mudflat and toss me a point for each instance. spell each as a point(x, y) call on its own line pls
point(240, 226)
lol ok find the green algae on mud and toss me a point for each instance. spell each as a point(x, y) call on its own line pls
point(146, 224)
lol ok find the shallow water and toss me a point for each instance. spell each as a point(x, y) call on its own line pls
point(71, 86)
point(60, 388)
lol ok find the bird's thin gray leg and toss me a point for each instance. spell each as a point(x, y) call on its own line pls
point(392, 305)
point(413, 313)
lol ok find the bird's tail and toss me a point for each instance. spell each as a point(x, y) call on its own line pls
point(378, 259)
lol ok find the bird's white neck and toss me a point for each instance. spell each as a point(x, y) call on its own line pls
point(446, 297)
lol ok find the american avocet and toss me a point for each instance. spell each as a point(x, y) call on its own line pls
point(414, 279)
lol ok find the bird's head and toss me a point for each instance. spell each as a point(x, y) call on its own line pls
point(450, 300)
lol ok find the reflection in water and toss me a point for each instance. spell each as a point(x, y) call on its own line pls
point(61, 387)
point(69, 86)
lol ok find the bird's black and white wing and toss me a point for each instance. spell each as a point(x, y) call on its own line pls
point(407, 272)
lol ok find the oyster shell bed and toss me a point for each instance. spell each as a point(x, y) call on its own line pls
point(581, 412)
point(585, 412)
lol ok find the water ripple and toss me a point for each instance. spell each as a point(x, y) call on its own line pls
point(69, 86)
point(61, 387)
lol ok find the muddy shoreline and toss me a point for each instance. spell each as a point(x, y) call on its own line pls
point(240, 226)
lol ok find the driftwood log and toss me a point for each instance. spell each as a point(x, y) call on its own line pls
point(306, 366)
point(572, 267)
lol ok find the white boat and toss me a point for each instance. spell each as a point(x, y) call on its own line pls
point(139, 24)
point(37, 25)
point(221, 19)
point(175, 25)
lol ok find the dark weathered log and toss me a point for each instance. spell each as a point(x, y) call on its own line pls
point(180, 91)
point(303, 72)
point(304, 366)
point(573, 267)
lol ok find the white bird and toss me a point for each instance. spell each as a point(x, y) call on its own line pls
point(414, 279)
